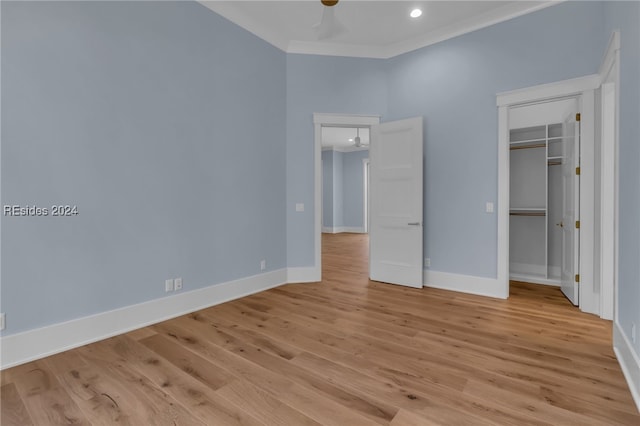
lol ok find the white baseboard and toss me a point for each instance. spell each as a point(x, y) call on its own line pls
point(629, 361)
point(340, 229)
point(490, 287)
point(304, 275)
point(30, 345)
point(534, 279)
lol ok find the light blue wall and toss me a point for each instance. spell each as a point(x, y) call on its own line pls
point(168, 137)
point(342, 190)
point(625, 16)
point(354, 188)
point(453, 84)
point(327, 189)
point(321, 84)
point(338, 188)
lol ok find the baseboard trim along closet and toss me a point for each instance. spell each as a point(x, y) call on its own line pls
point(340, 229)
point(34, 344)
point(628, 360)
point(481, 286)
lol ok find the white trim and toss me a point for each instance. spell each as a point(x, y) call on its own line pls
point(41, 342)
point(345, 120)
point(583, 89)
point(589, 300)
point(481, 286)
point(534, 279)
point(365, 195)
point(320, 120)
point(346, 148)
point(484, 20)
point(503, 199)
point(628, 360)
point(227, 10)
point(610, 55)
point(341, 229)
point(492, 17)
point(303, 275)
point(610, 74)
point(540, 93)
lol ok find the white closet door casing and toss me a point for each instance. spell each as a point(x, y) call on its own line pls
point(395, 239)
point(570, 210)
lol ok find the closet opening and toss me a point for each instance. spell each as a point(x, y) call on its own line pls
point(544, 194)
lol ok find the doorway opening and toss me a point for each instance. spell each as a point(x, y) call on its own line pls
point(324, 225)
point(345, 151)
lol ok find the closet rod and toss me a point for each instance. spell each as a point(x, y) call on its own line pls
point(527, 214)
point(554, 163)
point(538, 145)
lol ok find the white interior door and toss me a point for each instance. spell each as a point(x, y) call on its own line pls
point(570, 208)
point(395, 235)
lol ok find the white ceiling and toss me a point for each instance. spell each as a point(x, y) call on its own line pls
point(377, 29)
point(337, 138)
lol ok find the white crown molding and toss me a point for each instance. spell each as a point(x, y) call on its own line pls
point(501, 14)
point(230, 12)
point(495, 16)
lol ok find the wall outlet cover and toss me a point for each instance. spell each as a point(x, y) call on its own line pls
point(178, 284)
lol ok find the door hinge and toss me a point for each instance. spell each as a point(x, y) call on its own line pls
point(577, 278)
point(577, 170)
point(578, 117)
point(577, 224)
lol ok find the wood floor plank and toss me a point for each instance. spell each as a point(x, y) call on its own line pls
point(14, 413)
point(345, 351)
point(263, 406)
point(46, 401)
point(153, 406)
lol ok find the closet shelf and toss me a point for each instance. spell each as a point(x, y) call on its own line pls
point(539, 143)
point(527, 211)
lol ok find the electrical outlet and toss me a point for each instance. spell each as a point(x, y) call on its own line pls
point(633, 332)
point(299, 207)
point(2, 321)
point(427, 262)
point(168, 285)
point(489, 207)
point(263, 265)
point(178, 284)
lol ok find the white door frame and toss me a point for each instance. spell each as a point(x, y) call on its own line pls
point(365, 193)
point(328, 120)
point(610, 78)
point(583, 87)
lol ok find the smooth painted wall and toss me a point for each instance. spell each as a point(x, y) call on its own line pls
point(169, 138)
point(354, 188)
point(343, 189)
point(625, 16)
point(327, 189)
point(453, 84)
point(328, 84)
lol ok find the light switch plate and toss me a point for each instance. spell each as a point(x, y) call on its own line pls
point(168, 285)
point(489, 207)
point(299, 207)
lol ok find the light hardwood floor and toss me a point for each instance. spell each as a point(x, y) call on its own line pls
point(343, 352)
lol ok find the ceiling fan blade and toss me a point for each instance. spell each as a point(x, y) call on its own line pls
point(329, 26)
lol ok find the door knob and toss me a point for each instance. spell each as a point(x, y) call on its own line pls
point(561, 225)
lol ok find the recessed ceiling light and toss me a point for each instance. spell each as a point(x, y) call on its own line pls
point(416, 13)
